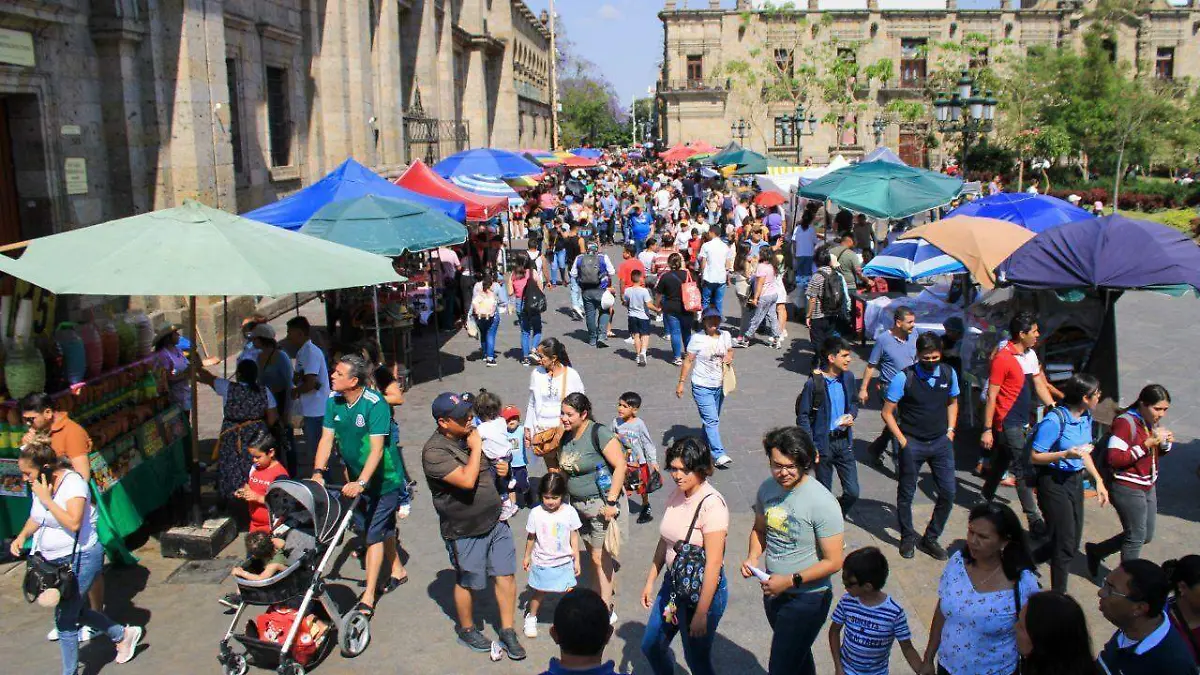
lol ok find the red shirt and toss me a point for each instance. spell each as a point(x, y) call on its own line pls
point(258, 482)
point(1009, 371)
point(625, 271)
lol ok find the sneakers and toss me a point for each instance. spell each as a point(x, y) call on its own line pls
point(490, 362)
point(629, 340)
point(612, 615)
point(645, 516)
point(530, 626)
point(908, 549)
point(127, 647)
point(508, 510)
point(508, 638)
point(474, 640)
point(931, 548)
point(640, 359)
point(601, 344)
point(741, 343)
point(231, 600)
point(723, 462)
point(1009, 481)
point(783, 336)
point(85, 632)
point(678, 362)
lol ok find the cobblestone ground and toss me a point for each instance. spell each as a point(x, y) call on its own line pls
point(413, 631)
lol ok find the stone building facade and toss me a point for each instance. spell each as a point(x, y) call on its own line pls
point(110, 108)
point(700, 98)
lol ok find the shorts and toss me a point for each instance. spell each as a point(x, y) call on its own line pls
point(594, 527)
point(552, 579)
point(489, 555)
point(639, 326)
point(376, 515)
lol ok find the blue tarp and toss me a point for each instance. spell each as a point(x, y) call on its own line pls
point(588, 153)
point(349, 180)
point(1111, 252)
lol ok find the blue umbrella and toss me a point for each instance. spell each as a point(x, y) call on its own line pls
point(487, 162)
point(912, 259)
point(1030, 211)
point(588, 153)
point(489, 186)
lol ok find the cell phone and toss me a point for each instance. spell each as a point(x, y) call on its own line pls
point(759, 574)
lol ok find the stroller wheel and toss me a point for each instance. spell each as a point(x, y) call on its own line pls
point(290, 668)
point(355, 635)
point(235, 665)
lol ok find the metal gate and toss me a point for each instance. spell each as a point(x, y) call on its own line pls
point(424, 136)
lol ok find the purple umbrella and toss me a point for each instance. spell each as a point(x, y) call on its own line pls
point(1111, 252)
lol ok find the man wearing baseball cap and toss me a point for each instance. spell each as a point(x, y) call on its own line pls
point(468, 506)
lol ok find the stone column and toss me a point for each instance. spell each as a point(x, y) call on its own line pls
point(121, 95)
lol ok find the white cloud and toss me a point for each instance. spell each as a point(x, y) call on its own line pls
point(609, 12)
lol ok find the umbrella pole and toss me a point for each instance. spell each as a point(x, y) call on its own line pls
point(194, 446)
point(437, 329)
point(297, 304)
point(378, 333)
point(225, 336)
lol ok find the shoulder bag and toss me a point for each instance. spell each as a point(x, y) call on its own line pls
point(547, 442)
point(687, 570)
point(42, 575)
point(690, 293)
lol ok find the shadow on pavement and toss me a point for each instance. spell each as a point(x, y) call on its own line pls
point(728, 656)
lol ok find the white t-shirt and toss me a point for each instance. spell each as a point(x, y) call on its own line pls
point(662, 200)
point(740, 213)
point(310, 360)
point(552, 535)
point(546, 395)
point(804, 242)
point(647, 259)
point(221, 386)
point(708, 371)
point(715, 254)
point(494, 434)
point(53, 540)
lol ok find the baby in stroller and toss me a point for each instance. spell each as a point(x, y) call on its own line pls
point(265, 554)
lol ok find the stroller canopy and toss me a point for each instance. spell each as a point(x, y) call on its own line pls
point(306, 503)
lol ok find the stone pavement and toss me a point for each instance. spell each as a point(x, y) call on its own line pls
point(413, 629)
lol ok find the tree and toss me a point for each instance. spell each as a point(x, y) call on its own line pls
point(591, 111)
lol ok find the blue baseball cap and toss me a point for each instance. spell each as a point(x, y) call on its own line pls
point(712, 311)
point(452, 406)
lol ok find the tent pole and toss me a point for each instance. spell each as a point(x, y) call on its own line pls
point(437, 329)
point(225, 336)
point(297, 304)
point(194, 446)
point(378, 333)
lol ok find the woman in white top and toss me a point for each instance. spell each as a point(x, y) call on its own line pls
point(487, 303)
point(707, 354)
point(549, 384)
point(62, 523)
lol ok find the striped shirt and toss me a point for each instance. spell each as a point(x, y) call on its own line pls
point(868, 633)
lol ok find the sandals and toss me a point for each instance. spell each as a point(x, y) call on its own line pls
point(392, 584)
point(365, 609)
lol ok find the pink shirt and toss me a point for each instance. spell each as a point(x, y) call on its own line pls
point(714, 517)
point(548, 200)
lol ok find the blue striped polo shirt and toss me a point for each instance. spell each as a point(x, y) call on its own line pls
point(868, 632)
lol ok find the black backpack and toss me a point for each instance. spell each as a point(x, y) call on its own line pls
point(818, 397)
point(535, 299)
point(589, 271)
point(833, 296)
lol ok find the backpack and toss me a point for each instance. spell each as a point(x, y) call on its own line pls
point(1100, 455)
point(535, 299)
point(818, 397)
point(833, 295)
point(589, 271)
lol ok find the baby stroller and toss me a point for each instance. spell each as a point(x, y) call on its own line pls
point(316, 519)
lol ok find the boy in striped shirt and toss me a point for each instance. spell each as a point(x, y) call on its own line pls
point(866, 619)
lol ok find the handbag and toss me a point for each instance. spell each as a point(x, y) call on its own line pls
point(728, 378)
point(655, 483)
point(687, 570)
point(547, 441)
point(690, 292)
point(42, 575)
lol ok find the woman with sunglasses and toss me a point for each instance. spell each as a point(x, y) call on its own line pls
point(1062, 452)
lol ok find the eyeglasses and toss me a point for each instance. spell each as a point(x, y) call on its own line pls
point(783, 468)
point(1107, 589)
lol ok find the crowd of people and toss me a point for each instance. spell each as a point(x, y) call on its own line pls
point(684, 239)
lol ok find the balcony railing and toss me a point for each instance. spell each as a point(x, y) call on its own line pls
point(531, 92)
point(699, 85)
point(904, 85)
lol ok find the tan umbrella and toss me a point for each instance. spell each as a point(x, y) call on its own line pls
point(980, 244)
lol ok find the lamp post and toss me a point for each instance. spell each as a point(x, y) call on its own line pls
point(739, 130)
point(878, 127)
point(966, 112)
point(797, 123)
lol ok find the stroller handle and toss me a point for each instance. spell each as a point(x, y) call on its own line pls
point(335, 490)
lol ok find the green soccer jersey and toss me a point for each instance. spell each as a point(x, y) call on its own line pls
point(353, 426)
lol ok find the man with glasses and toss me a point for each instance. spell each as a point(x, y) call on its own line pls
point(1133, 598)
point(920, 409)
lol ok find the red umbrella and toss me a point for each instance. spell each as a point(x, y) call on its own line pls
point(576, 162)
point(701, 146)
point(420, 178)
point(769, 199)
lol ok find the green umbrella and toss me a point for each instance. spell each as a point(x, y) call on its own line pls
point(384, 225)
point(758, 165)
point(717, 159)
point(884, 190)
point(192, 250)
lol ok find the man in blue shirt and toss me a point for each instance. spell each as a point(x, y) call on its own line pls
point(640, 226)
point(920, 409)
point(581, 631)
point(608, 207)
point(826, 412)
point(894, 351)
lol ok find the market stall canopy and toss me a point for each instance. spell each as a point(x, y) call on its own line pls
point(349, 180)
point(1030, 211)
point(523, 182)
point(769, 199)
point(884, 154)
point(420, 178)
point(577, 162)
point(385, 226)
point(760, 164)
point(588, 153)
point(487, 162)
point(912, 260)
point(720, 156)
point(193, 250)
point(884, 190)
point(1112, 252)
point(678, 153)
point(489, 186)
point(980, 244)
point(701, 146)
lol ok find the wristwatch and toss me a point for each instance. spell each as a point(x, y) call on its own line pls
point(362, 484)
point(797, 580)
point(321, 470)
point(611, 502)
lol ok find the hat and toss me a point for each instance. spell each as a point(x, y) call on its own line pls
point(1074, 199)
point(452, 406)
point(710, 312)
point(510, 413)
point(263, 330)
point(592, 245)
point(953, 324)
point(165, 331)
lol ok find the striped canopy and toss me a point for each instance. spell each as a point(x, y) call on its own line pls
point(491, 186)
point(912, 259)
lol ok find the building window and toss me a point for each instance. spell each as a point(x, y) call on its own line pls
point(1110, 45)
point(785, 63)
point(278, 117)
point(695, 70)
point(1164, 63)
point(846, 55)
point(784, 132)
point(979, 60)
point(912, 62)
point(235, 115)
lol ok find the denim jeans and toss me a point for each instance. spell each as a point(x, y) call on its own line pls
point(712, 294)
point(763, 311)
point(531, 329)
point(558, 267)
point(1137, 510)
point(697, 652)
point(487, 334)
point(940, 455)
point(708, 403)
point(639, 245)
point(70, 614)
point(597, 330)
point(679, 327)
point(576, 294)
point(796, 619)
point(803, 265)
point(839, 456)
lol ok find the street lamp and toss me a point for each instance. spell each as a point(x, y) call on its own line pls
point(797, 123)
point(965, 112)
point(739, 129)
point(879, 126)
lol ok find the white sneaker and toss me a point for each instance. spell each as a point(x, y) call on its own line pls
point(52, 636)
point(127, 647)
point(508, 510)
point(612, 617)
point(629, 340)
point(530, 626)
point(723, 461)
point(85, 633)
point(783, 336)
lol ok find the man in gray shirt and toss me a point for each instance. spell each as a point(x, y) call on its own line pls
point(894, 351)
